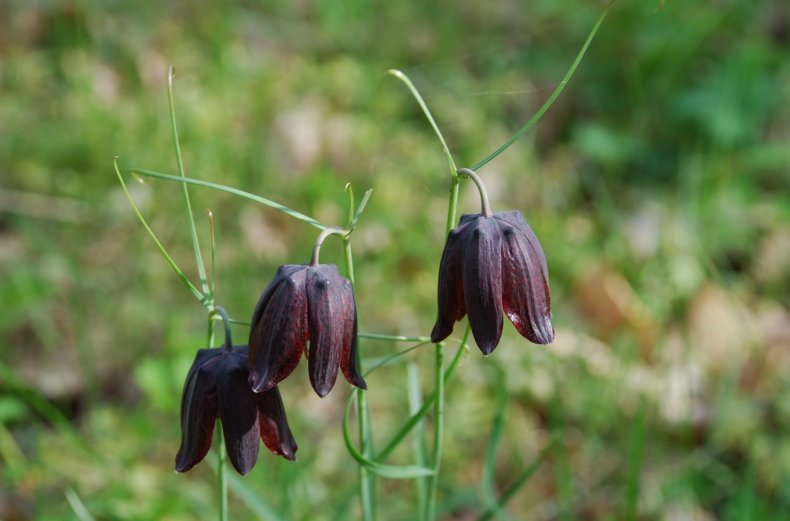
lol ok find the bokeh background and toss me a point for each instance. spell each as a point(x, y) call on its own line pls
point(659, 185)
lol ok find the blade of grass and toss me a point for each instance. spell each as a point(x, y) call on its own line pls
point(489, 464)
point(380, 362)
point(405, 79)
point(387, 471)
point(196, 292)
point(361, 208)
point(554, 95)
point(180, 161)
point(251, 498)
point(520, 481)
point(213, 286)
point(415, 418)
point(394, 338)
point(77, 505)
point(420, 450)
point(241, 193)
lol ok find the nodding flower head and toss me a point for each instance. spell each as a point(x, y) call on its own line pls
point(493, 265)
point(216, 386)
point(305, 302)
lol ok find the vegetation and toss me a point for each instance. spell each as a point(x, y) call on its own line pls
point(658, 184)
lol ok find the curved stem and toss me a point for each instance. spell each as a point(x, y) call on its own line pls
point(320, 240)
point(471, 174)
point(218, 310)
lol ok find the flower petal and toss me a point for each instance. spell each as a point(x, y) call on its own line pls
point(482, 282)
point(238, 410)
point(279, 329)
point(330, 316)
point(274, 429)
point(451, 292)
point(525, 298)
point(348, 358)
point(198, 410)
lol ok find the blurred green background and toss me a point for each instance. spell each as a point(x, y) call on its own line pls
point(659, 185)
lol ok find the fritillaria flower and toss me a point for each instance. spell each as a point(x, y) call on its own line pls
point(305, 302)
point(493, 265)
point(216, 386)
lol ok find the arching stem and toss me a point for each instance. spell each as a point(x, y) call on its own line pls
point(471, 174)
point(320, 240)
point(218, 310)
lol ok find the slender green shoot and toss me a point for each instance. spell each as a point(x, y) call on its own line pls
point(489, 467)
point(367, 483)
point(213, 286)
point(394, 338)
point(438, 433)
point(420, 450)
point(381, 362)
point(554, 95)
point(405, 79)
point(77, 505)
point(180, 161)
point(519, 482)
point(196, 292)
point(387, 471)
point(351, 202)
point(235, 191)
point(361, 208)
point(415, 418)
point(251, 498)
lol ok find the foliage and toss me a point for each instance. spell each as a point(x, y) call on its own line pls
point(658, 184)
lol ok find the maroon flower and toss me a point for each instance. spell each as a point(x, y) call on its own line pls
point(305, 302)
point(216, 385)
point(494, 265)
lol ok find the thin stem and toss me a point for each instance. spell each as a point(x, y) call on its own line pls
point(326, 232)
point(180, 161)
point(367, 484)
point(230, 190)
point(414, 92)
point(484, 204)
point(554, 95)
point(438, 433)
point(222, 464)
point(429, 402)
point(226, 323)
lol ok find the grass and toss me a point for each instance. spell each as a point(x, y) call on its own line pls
point(658, 185)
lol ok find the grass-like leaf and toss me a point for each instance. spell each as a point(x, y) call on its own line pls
point(235, 191)
point(386, 471)
point(405, 79)
point(180, 161)
point(554, 95)
point(195, 291)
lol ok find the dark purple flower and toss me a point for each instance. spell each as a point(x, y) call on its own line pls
point(305, 302)
point(493, 266)
point(216, 385)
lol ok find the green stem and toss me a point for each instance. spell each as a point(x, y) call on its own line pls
point(180, 161)
point(367, 484)
point(222, 465)
point(438, 432)
point(554, 95)
point(484, 204)
point(326, 232)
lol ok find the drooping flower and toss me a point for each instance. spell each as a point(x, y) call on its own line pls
point(216, 385)
point(305, 302)
point(493, 265)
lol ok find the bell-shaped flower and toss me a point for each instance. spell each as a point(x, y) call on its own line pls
point(493, 265)
point(305, 302)
point(216, 386)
